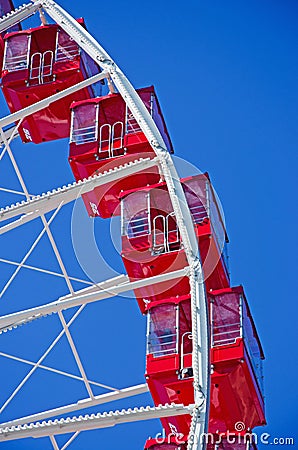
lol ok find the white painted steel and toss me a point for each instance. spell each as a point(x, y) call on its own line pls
point(91, 422)
point(103, 292)
point(19, 115)
point(19, 14)
point(43, 203)
point(80, 404)
point(57, 371)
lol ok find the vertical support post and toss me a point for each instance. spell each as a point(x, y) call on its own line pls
point(241, 315)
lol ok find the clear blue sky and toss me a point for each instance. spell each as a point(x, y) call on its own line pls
point(226, 76)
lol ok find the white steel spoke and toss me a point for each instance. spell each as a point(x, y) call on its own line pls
point(59, 372)
point(30, 373)
point(19, 14)
point(43, 219)
point(22, 220)
point(9, 135)
point(54, 443)
point(57, 254)
point(80, 404)
point(93, 421)
point(72, 438)
point(13, 191)
point(49, 272)
point(20, 265)
point(46, 202)
point(75, 354)
point(20, 318)
point(18, 115)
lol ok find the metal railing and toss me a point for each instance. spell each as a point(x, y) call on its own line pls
point(84, 135)
point(159, 235)
point(111, 138)
point(199, 213)
point(137, 227)
point(226, 334)
point(14, 63)
point(131, 125)
point(163, 344)
point(164, 239)
point(188, 335)
point(67, 52)
point(41, 66)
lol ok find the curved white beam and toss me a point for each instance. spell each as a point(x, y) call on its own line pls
point(182, 213)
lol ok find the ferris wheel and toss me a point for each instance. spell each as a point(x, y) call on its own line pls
point(59, 83)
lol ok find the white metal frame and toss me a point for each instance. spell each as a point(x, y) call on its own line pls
point(200, 331)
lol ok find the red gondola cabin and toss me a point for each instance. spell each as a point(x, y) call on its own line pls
point(236, 358)
point(38, 63)
point(104, 135)
point(151, 243)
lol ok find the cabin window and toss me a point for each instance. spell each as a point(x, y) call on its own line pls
point(66, 48)
point(231, 320)
point(162, 335)
point(16, 53)
point(135, 214)
point(226, 319)
point(196, 195)
point(84, 124)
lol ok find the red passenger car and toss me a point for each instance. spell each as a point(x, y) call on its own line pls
point(104, 135)
point(151, 243)
point(38, 63)
point(236, 358)
point(236, 355)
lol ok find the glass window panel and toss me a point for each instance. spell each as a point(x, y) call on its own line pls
point(162, 337)
point(195, 193)
point(67, 48)
point(84, 123)
point(16, 54)
point(225, 319)
point(135, 217)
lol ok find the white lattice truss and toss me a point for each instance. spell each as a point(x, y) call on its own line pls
point(34, 207)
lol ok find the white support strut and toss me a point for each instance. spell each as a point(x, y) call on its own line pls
point(43, 203)
point(104, 291)
point(182, 213)
point(91, 422)
point(17, 15)
point(44, 103)
point(80, 404)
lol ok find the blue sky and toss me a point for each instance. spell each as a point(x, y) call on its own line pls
point(226, 77)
